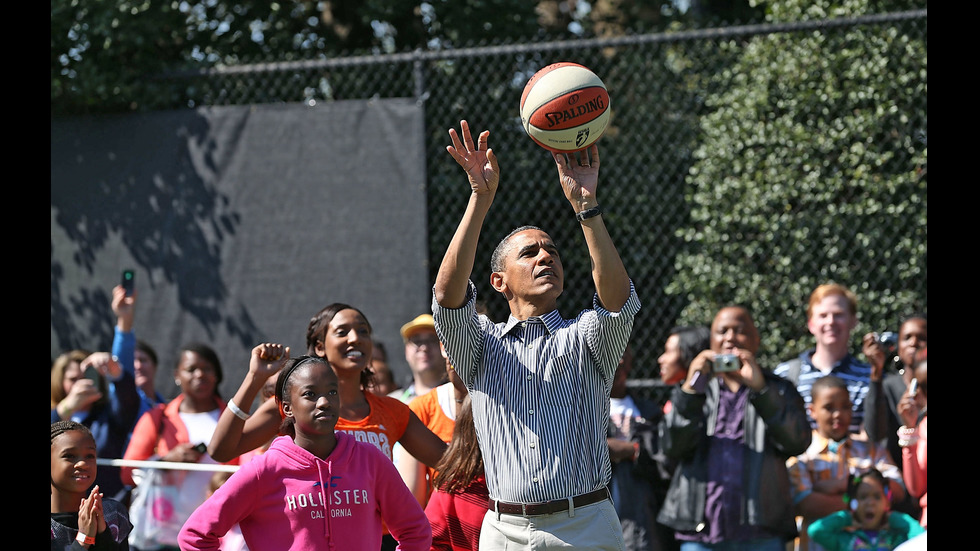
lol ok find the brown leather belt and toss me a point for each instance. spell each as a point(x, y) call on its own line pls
point(548, 507)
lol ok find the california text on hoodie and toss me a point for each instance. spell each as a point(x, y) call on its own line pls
point(289, 499)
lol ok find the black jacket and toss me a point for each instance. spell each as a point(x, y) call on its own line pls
point(776, 428)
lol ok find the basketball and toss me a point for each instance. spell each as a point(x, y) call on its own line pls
point(565, 107)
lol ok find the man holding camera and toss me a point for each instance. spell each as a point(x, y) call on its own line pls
point(832, 314)
point(732, 427)
point(888, 386)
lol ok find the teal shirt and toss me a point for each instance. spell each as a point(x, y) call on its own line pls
point(831, 532)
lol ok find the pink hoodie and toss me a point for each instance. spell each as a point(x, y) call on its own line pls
point(287, 498)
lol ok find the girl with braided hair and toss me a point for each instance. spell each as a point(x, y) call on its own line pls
point(81, 518)
point(868, 523)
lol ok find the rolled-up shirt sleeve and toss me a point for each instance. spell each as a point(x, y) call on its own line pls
point(461, 333)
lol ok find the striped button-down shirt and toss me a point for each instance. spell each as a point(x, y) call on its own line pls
point(540, 392)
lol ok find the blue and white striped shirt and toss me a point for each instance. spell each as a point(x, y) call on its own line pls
point(855, 373)
point(540, 393)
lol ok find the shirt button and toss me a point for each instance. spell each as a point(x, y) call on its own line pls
point(534, 480)
point(531, 411)
point(531, 444)
point(528, 376)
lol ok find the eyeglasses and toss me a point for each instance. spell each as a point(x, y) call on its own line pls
point(428, 340)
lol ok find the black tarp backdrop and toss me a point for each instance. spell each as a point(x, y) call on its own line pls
point(241, 223)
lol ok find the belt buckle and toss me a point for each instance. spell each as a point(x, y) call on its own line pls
point(524, 509)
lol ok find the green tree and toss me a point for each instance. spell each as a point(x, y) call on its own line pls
point(811, 169)
point(107, 55)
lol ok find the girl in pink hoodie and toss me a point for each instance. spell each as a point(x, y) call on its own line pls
point(315, 488)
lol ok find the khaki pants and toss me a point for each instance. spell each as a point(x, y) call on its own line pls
point(594, 527)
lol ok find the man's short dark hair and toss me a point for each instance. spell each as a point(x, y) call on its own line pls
point(500, 251)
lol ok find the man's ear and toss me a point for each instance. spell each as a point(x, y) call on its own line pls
point(497, 282)
point(810, 327)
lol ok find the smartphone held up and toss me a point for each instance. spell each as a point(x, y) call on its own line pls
point(92, 374)
point(129, 281)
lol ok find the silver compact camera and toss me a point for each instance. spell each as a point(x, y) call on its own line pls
point(724, 363)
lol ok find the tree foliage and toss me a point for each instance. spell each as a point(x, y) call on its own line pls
point(106, 54)
point(792, 149)
point(809, 152)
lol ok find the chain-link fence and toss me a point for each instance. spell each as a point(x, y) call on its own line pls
point(663, 88)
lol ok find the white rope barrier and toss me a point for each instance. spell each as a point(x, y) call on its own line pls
point(174, 465)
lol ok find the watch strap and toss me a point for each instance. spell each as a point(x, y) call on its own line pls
point(588, 213)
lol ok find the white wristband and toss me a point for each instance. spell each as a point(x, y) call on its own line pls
point(237, 411)
point(84, 539)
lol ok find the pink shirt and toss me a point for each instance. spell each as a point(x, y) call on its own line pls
point(914, 468)
point(289, 499)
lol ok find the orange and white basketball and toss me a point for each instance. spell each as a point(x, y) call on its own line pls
point(565, 107)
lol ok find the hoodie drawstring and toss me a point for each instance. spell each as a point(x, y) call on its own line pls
point(325, 499)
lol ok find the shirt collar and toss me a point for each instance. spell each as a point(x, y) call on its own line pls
point(551, 321)
point(846, 361)
point(822, 444)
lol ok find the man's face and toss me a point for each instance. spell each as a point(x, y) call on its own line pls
point(831, 321)
point(912, 337)
point(422, 352)
point(733, 328)
point(532, 267)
